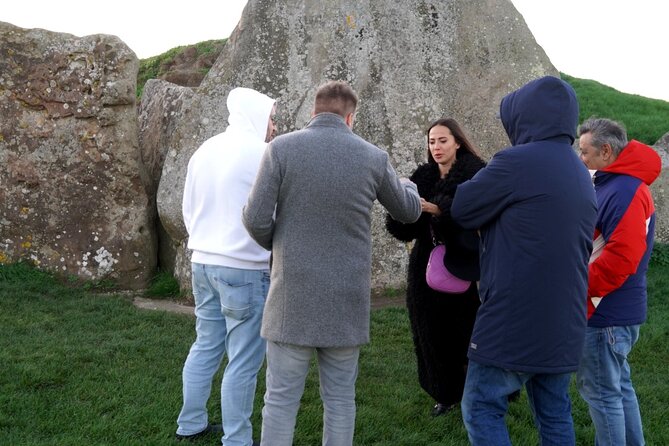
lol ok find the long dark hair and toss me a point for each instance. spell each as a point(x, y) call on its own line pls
point(459, 135)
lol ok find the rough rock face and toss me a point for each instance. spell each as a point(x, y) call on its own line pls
point(659, 189)
point(411, 62)
point(161, 108)
point(191, 126)
point(73, 195)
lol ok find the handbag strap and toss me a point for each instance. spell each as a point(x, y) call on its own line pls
point(434, 236)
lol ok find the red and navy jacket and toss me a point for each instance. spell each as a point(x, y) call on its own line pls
point(623, 238)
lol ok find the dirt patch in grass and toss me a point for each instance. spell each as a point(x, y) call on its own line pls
point(185, 308)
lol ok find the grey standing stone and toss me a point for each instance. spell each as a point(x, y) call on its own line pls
point(162, 106)
point(411, 62)
point(659, 190)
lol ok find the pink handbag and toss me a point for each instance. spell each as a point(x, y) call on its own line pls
point(439, 278)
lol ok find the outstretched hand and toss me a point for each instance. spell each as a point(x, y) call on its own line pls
point(430, 208)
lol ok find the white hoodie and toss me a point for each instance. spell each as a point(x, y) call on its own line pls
point(220, 176)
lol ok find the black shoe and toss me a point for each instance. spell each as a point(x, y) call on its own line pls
point(255, 443)
point(440, 409)
point(207, 430)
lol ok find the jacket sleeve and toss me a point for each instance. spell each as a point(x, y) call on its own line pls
point(258, 214)
point(624, 247)
point(480, 200)
point(444, 221)
point(399, 197)
point(186, 207)
point(404, 232)
point(444, 203)
point(448, 229)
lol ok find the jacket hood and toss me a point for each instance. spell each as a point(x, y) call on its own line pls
point(545, 108)
point(637, 160)
point(249, 111)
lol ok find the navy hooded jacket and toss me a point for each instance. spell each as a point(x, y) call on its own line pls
point(535, 206)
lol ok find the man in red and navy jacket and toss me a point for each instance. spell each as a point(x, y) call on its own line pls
point(617, 296)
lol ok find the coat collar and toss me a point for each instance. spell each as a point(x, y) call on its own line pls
point(327, 119)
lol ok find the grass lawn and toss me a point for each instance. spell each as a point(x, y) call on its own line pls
point(82, 369)
point(646, 120)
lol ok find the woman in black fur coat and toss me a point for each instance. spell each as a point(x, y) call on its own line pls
point(442, 323)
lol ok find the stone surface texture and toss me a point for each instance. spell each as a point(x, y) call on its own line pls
point(73, 190)
point(161, 108)
point(411, 62)
point(659, 189)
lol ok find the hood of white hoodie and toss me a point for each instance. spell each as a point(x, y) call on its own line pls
point(249, 111)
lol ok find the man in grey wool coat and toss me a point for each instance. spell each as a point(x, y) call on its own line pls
point(311, 207)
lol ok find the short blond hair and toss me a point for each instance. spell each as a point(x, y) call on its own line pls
point(335, 97)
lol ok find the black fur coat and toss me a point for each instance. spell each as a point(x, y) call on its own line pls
point(441, 323)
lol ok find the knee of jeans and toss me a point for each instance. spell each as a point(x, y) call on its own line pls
point(465, 407)
point(584, 385)
point(340, 395)
point(239, 314)
point(338, 403)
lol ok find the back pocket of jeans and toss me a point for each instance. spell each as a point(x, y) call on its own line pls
point(236, 301)
point(622, 343)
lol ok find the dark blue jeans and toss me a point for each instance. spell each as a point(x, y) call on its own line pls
point(485, 403)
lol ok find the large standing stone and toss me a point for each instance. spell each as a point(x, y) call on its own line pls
point(659, 189)
point(411, 62)
point(190, 122)
point(73, 191)
point(161, 108)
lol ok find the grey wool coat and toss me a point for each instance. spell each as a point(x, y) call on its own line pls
point(311, 206)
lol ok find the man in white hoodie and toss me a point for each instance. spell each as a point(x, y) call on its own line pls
point(230, 271)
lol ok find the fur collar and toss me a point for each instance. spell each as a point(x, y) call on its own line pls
point(430, 184)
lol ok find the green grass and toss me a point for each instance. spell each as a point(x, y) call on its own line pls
point(154, 67)
point(164, 285)
point(646, 119)
point(79, 368)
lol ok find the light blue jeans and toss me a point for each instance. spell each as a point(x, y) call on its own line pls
point(229, 304)
point(287, 367)
point(485, 403)
point(604, 382)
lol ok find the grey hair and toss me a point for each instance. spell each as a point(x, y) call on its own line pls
point(605, 131)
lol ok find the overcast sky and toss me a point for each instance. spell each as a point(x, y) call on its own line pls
point(620, 43)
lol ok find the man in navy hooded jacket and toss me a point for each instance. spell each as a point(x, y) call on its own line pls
point(535, 207)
